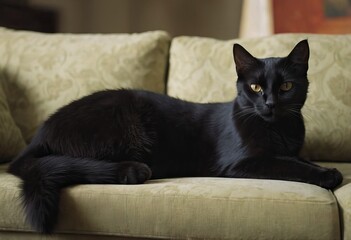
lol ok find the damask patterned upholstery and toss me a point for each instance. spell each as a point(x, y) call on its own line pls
point(42, 72)
point(11, 140)
point(202, 70)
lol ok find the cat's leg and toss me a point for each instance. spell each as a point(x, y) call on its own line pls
point(132, 172)
point(307, 161)
point(286, 168)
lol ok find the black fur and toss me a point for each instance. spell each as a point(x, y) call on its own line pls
point(128, 137)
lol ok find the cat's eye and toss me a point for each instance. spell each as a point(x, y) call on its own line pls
point(286, 86)
point(256, 88)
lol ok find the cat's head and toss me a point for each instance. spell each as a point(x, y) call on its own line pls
point(272, 87)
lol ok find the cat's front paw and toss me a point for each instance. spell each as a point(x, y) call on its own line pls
point(133, 173)
point(331, 178)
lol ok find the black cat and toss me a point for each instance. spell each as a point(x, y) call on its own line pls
point(128, 137)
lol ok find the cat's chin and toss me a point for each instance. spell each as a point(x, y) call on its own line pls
point(269, 115)
point(270, 118)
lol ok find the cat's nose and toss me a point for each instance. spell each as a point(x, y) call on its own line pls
point(270, 104)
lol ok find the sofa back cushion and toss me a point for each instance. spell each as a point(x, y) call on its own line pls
point(202, 70)
point(11, 140)
point(42, 72)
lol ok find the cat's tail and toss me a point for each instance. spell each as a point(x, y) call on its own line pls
point(44, 176)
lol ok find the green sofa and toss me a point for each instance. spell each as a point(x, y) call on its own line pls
point(41, 72)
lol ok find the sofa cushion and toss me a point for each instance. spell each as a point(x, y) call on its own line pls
point(11, 140)
point(185, 208)
point(343, 196)
point(202, 70)
point(42, 72)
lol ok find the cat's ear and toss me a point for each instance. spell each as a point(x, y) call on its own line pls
point(300, 53)
point(242, 58)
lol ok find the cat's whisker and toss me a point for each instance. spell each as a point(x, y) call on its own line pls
point(294, 112)
point(250, 116)
point(243, 113)
point(306, 115)
point(246, 114)
point(245, 117)
point(311, 112)
point(245, 108)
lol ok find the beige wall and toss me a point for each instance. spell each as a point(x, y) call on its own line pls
point(210, 18)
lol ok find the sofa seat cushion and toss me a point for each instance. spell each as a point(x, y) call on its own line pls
point(42, 72)
point(185, 208)
point(202, 70)
point(343, 196)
